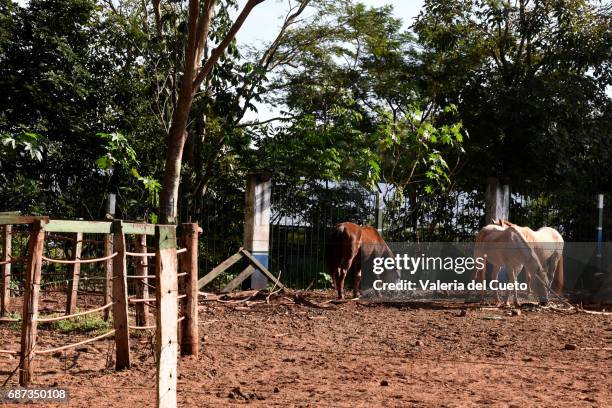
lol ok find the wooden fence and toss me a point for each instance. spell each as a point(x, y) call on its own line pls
point(168, 292)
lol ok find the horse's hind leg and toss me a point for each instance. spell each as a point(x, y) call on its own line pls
point(334, 275)
point(340, 282)
point(512, 280)
point(356, 283)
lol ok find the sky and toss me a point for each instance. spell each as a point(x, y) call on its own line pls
point(265, 20)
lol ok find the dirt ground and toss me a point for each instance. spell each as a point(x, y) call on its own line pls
point(350, 355)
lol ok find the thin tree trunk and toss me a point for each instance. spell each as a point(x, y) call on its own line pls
point(177, 136)
point(198, 22)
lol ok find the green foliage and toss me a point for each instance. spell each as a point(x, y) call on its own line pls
point(118, 152)
point(324, 279)
point(78, 110)
point(355, 109)
point(87, 90)
point(24, 144)
point(80, 324)
point(529, 80)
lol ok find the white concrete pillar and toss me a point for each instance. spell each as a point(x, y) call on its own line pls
point(257, 223)
point(497, 201)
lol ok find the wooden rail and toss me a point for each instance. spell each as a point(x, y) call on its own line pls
point(79, 261)
point(73, 345)
point(86, 312)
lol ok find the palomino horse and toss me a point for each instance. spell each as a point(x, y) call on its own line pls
point(547, 243)
point(347, 244)
point(506, 246)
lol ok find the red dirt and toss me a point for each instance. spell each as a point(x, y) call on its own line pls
point(351, 355)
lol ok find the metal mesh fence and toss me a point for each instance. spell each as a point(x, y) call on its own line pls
point(302, 216)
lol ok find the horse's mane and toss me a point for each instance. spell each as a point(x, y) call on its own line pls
point(503, 223)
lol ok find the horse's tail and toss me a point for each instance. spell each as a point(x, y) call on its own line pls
point(558, 279)
point(332, 247)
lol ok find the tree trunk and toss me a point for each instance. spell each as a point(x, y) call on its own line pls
point(168, 200)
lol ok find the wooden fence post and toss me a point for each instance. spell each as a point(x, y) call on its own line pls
point(5, 296)
point(108, 273)
point(167, 314)
point(120, 299)
point(190, 338)
point(73, 285)
point(30, 302)
point(142, 290)
point(108, 250)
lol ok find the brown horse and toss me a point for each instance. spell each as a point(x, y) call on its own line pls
point(347, 244)
point(548, 244)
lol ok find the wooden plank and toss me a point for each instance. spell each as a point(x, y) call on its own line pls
point(219, 269)
point(248, 271)
point(91, 227)
point(142, 288)
point(139, 228)
point(20, 219)
point(190, 338)
point(108, 273)
point(30, 302)
point(120, 299)
point(262, 268)
point(75, 273)
point(5, 295)
point(166, 346)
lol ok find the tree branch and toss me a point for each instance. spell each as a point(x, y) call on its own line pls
point(263, 122)
point(220, 49)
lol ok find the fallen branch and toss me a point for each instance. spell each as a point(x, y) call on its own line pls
point(272, 292)
point(592, 312)
point(299, 299)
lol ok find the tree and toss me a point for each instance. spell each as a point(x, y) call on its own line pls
point(77, 110)
point(51, 105)
point(529, 79)
point(198, 26)
point(218, 143)
point(353, 110)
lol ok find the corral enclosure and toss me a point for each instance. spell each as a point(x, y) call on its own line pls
point(112, 309)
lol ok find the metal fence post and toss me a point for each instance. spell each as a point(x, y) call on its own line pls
point(379, 213)
point(600, 208)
